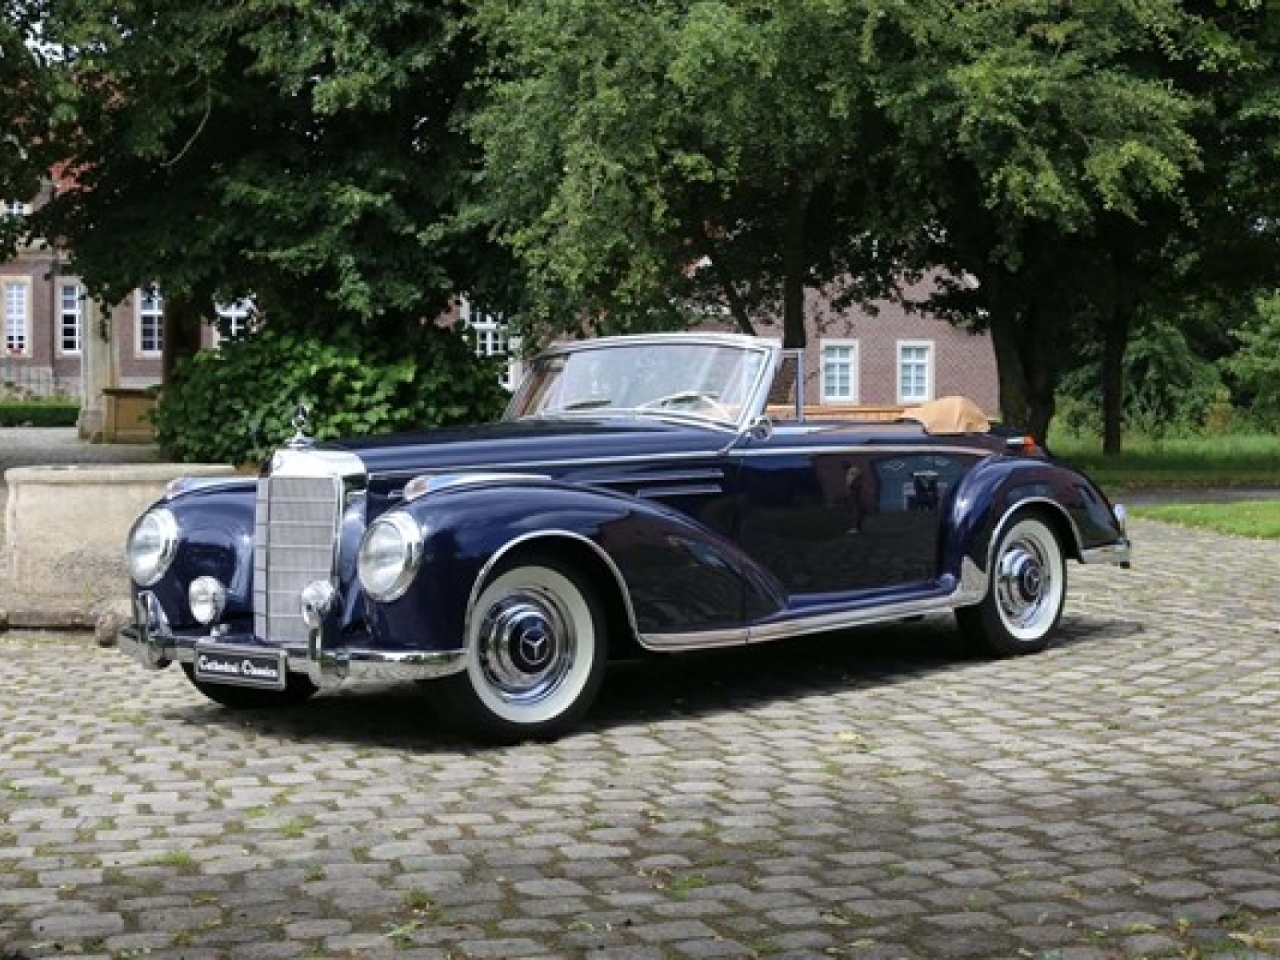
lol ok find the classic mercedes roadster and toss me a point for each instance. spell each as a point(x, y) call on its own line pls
point(656, 493)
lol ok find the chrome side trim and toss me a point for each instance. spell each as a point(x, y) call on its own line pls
point(655, 493)
point(425, 484)
point(682, 476)
point(745, 452)
point(183, 485)
point(487, 570)
point(800, 626)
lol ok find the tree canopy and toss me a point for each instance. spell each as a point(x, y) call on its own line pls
point(1049, 158)
point(1072, 171)
point(301, 153)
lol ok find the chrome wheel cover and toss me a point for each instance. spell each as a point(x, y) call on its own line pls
point(1029, 580)
point(533, 644)
point(526, 646)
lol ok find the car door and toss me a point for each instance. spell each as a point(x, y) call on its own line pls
point(836, 512)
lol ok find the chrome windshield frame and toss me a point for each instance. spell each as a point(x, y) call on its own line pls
point(749, 411)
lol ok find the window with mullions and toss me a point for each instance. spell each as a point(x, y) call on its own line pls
point(17, 317)
point(70, 319)
point(493, 339)
point(839, 371)
point(14, 208)
point(915, 371)
point(234, 318)
point(150, 322)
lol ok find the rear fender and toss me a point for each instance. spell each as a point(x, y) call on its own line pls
point(985, 501)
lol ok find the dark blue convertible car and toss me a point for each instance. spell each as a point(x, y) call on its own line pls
point(657, 493)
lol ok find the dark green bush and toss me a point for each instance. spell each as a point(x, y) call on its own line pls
point(235, 404)
point(39, 413)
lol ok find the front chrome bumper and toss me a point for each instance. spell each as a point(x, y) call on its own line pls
point(152, 642)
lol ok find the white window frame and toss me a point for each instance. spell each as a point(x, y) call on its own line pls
point(493, 339)
point(72, 319)
point(930, 349)
point(15, 208)
point(148, 307)
point(854, 361)
point(17, 322)
point(241, 315)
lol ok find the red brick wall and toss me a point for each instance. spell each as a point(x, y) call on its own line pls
point(963, 363)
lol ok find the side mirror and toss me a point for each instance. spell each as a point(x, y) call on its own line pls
point(761, 428)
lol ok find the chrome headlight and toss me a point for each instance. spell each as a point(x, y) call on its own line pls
point(390, 554)
point(153, 541)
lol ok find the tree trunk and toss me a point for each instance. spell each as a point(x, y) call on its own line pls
point(1015, 401)
point(182, 326)
point(737, 308)
point(1115, 339)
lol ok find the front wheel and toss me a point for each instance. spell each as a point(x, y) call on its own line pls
point(298, 689)
point(536, 653)
point(1026, 593)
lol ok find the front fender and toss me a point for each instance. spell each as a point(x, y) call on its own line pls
point(671, 573)
point(991, 491)
point(215, 539)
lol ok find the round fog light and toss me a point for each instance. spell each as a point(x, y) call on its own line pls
point(318, 598)
point(208, 598)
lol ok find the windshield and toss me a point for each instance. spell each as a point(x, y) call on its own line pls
point(688, 378)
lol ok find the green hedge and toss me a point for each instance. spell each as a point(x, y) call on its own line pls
point(235, 404)
point(39, 413)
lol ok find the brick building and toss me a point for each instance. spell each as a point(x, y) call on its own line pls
point(890, 356)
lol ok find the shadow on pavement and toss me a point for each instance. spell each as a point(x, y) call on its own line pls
point(654, 690)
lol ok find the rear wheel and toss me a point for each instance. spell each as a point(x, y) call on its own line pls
point(536, 654)
point(298, 689)
point(1026, 593)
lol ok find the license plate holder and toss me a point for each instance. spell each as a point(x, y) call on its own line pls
point(241, 666)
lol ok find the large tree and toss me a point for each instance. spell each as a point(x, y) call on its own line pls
point(643, 156)
point(1056, 151)
point(1039, 152)
point(300, 153)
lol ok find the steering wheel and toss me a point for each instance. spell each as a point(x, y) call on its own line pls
point(693, 401)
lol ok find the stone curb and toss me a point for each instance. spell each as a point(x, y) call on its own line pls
point(103, 627)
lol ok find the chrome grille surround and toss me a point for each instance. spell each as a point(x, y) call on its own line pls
point(297, 518)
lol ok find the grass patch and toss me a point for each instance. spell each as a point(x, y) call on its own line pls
point(1244, 518)
point(1239, 460)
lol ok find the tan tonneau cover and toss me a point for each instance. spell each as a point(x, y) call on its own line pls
point(949, 415)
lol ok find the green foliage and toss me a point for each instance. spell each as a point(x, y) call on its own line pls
point(39, 413)
point(235, 404)
point(623, 143)
point(1256, 365)
point(1169, 389)
point(303, 154)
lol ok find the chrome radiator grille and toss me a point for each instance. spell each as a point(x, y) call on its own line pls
point(294, 542)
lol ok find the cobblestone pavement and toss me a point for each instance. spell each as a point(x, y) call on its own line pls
point(878, 794)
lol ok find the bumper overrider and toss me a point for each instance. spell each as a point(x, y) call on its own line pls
point(246, 660)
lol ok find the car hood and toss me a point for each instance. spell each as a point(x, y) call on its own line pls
point(549, 445)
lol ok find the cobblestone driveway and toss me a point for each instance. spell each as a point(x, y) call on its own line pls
point(871, 795)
